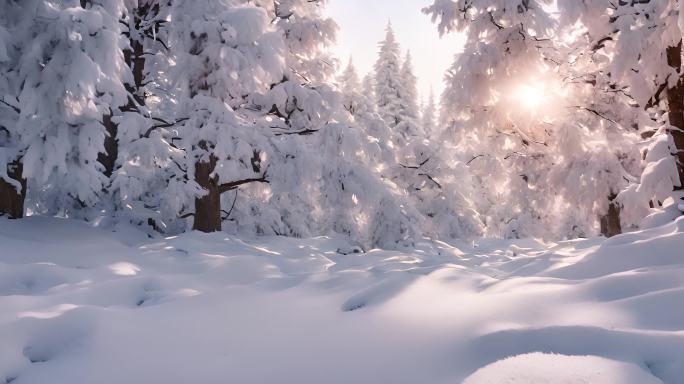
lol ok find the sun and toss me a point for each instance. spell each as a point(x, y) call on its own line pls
point(528, 100)
point(530, 96)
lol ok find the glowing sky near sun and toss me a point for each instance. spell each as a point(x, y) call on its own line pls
point(362, 25)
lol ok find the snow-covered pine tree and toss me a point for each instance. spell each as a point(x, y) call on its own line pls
point(307, 33)
point(438, 185)
point(299, 107)
point(388, 80)
point(296, 98)
point(496, 55)
point(143, 182)
point(339, 186)
point(368, 88)
point(359, 101)
point(356, 198)
point(409, 112)
point(436, 189)
point(429, 118)
point(350, 87)
point(515, 145)
point(638, 51)
point(68, 76)
point(226, 52)
point(12, 182)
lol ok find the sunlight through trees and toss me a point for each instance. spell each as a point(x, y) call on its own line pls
point(558, 120)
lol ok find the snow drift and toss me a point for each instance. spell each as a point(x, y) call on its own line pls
point(87, 305)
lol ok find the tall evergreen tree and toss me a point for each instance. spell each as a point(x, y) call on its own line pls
point(139, 153)
point(637, 52)
point(429, 117)
point(409, 127)
point(521, 125)
point(409, 91)
point(368, 88)
point(225, 54)
point(68, 77)
point(12, 182)
point(350, 87)
point(253, 91)
point(388, 81)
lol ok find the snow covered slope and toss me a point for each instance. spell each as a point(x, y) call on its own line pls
point(85, 305)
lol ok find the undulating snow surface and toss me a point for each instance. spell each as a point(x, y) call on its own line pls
point(85, 305)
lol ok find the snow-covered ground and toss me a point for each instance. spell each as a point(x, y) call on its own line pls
point(85, 305)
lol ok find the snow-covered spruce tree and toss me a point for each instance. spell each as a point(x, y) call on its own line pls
point(429, 118)
point(524, 155)
point(300, 107)
point(226, 52)
point(594, 141)
point(440, 188)
point(12, 182)
point(388, 81)
point(395, 90)
point(350, 87)
point(346, 176)
point(107, 157)
point(340, 185)
point(409, 101)
point(435, 187)
point(368, 88)
point(144, 183)
point(496, 52)
point(638, 45)
point(68, 76)
point(297, 99)
point(356, 197)
point(307, 32)
point(360, 196)
point(109, 11)
point(359, 101)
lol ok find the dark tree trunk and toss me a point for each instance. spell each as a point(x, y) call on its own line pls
point(135, 59)
point(207, 207)
point(11, 200)
point(138, 67)
point(111, 146)
point(675, 101)
point(610, 222)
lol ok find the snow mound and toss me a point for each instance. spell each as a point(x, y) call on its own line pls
point(540, 368)
point(82, 304)
point(655, 247)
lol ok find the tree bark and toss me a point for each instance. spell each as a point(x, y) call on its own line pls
point(208, 207)
point(675, 101)
point(111, 145)
point(610, 222)
point(11, 200)
point(135, 59)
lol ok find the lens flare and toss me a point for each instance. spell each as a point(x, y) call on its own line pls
point(530, 96)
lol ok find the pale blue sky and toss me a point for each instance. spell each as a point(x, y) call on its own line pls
point(362, 25)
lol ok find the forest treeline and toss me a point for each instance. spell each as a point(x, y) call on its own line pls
point(559, 119)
